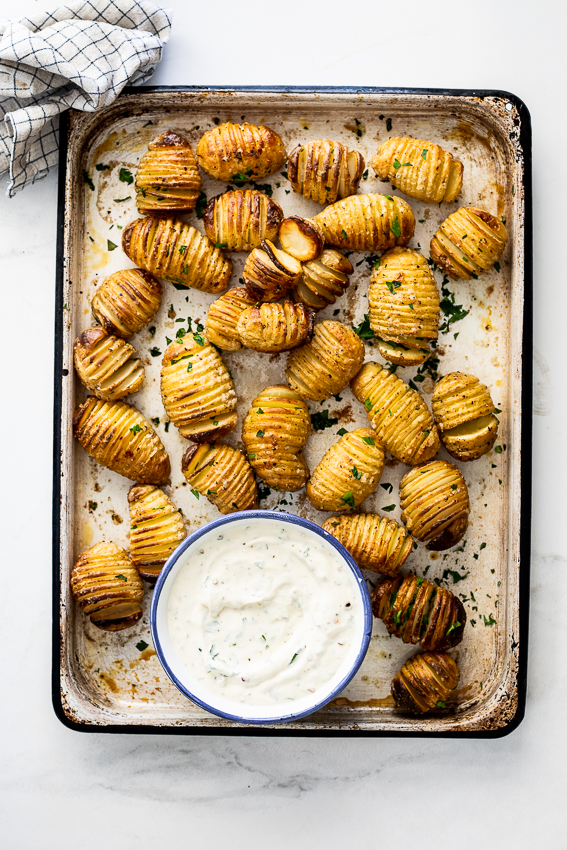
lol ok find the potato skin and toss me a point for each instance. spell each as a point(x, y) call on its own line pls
point(324, 170)
point(222, 474)
point(156, 529)
point(241, 220)
point(369, 222)
point(126, 301)
point(323, 367)
point(301, 237)
point(107, 587)
point(265, 278)
point(348, 472)
point(375, 542)
point(469, 241)
point(275, 327)
point(240, 152)
point(435, 504)
point(323, 280)
point(423, 681)
point(222, 319)
point(106, 365)
point(420, 169)
point(167, 179)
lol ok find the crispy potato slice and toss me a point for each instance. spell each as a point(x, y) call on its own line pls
point(270, 273)
point(301, 237)
point(367, 222)
point(107, 587)
point(323, 280)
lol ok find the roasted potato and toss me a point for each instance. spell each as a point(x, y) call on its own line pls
point(174, 251)
point(106, 365)
point(397, 413)
point(323, 280)
point(107, 587)
point(420, 169)
point(323, 367)
point(424, 682)
point(367, 222)
point(404, 306)
point(126, 301)
point(375, 543)
point(324, 171)
point(274, 433)
point(347, 473)
point(222, 318)
point(417, 611)
point(222, 474)
point(485, 239)
point(269, 273)
point(435, 504)
point(301, 237)
point(241, 220)
point(168, 180)
point(275, 327)
point(197, 390)
point(117, 436)
point(156, 529)
point(240, 152)
point(464, 412)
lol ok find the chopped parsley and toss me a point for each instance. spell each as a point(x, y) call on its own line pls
point(260, 433)
point(198, 338)
point(395, 227)
point(322, 420)
point(201, 204)
point(369, 441)
point(387, 486)
point(100, 167)
point(453, 626)
point(348, 499)
point(368, 404)
point(341, 432)
point(88, 180)
point(126, 176)
point(452, 312)
point(356, 472)
point(389, 508)
point(364, 331)
point(195, 492)
point(155, 352)
point(135, 429)
point(111, 246)
point(141, 645)
point(120, 200)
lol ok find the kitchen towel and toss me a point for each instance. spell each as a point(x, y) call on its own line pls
point(80, 55)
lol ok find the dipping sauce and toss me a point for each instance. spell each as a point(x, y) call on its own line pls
point(264, 612)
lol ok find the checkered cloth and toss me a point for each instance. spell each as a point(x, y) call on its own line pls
point(80, 55)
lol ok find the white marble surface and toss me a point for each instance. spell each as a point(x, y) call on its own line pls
point(60, 789)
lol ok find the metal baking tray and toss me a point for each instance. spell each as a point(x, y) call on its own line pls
point(103, 681)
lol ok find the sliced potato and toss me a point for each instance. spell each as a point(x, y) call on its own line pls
point(468, 242)
point(347, 473)
point(126, 301)
point(107, 587)
point(241, 220)
point(222, 318)
point(375, 543)
point(270, 273)
point(240, 152)
point(106, 365)
point(275, 327)
point(435, 504)
point(323, 367)
point(420, 169)
point(463, 409)
point(167, 179)
point(302, 238)
point(156, 529)
point(324, 170)
point(222, 474)
point(323, 280)
point(425, 682)
point(367, 222)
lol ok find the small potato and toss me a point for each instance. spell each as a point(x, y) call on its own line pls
point(324, 171)
point(222, 474)
point(240, 221)
point(168, 179)
point(240, 152)
point(222, 319)
point(270, 273)
point(375, 543)
point(156, 529)
point(107, 587)
point(275, 327)
point(323, 280)
point(435, 504)
point(468, 242)
point(367, 222)
point(302, 238)
point(106, 365)
point(425, 682)
point(126, 301)
point(464, 412)
point(323, 367)
point(420, 169)
point(348, 472)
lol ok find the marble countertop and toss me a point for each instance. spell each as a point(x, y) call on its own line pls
point(62, 789)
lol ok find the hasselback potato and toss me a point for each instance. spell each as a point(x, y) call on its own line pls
point(375, 543)
point(241, 220)
point(324, 170)
point(348, 472)
point(323, 367)
point(424, 682)
point(323, 280)
point(240, 152)
point(435, 504)
point(417, 611)
point(117, 436)
point(404, 306)
point(168, 179)
point(222, 474)
point(126, 301)
point(485, 239)
point(367, 222)
point(420, 169)
point(197, 390)
point(107, 587)
point(463, 410)
point(175, 251)
point(274, 433)
point(222, 318)
point(269, 273)
point(301, 237)
point(156, 529)
point(397, 413)
point(107, 366)
point(275, 327)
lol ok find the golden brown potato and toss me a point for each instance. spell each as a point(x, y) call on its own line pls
point(324, 171)
point(107, 587)
point(172, 250)
point(240, 152)
point(424, 682)
point(404, 306)
point(156, 529)
point(464, 412)
point(274, 433)
point(126, 301)
point(269, 273)
point(375, 543)
point(168, 179)
point(106, 365)
point(485, 240)
point(241, 220)
point(435, 504)
point(323, 367)
point(417, 611)
point(197, 390)
point(420, 169)
point(301, 237)
point(347, 473)
point(323, 280)
point(397, 413)
point(117, 436)
point(223, 475)
point(367, 222)
point(222, 319)
point(275, 327)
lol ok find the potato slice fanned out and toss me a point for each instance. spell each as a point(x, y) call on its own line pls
point(397, 413)
point(324, 170)
point(175, 251)
point(107, 365)
point(323, 367)
point(348, 472)
point(275, 327)
point(269, 273)
point(240, 152)
point(156, 529)
point(117, 436)
point(126, 301)
point(107, 587)
point(168, 179)
point(464, 412)
point(420, 169)
point(424, 682)
point(323, 280)
point(468, 242)
point(435, 504)
point(222, 318)
point(197, 390)
point(274, 432)
point(241, 220)
point(223, 475)
point(375, 543)
point(367, 222)
point(301, 237)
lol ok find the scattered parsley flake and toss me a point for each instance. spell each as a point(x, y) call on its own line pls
point(111, 246)
point(126, 176)
point(195, 492)
point(322, 420)
point(389, 508)
point(141, 645)
point(135, 429)
point(348, 499)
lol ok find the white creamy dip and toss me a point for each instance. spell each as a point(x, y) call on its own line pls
point(263, 612)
